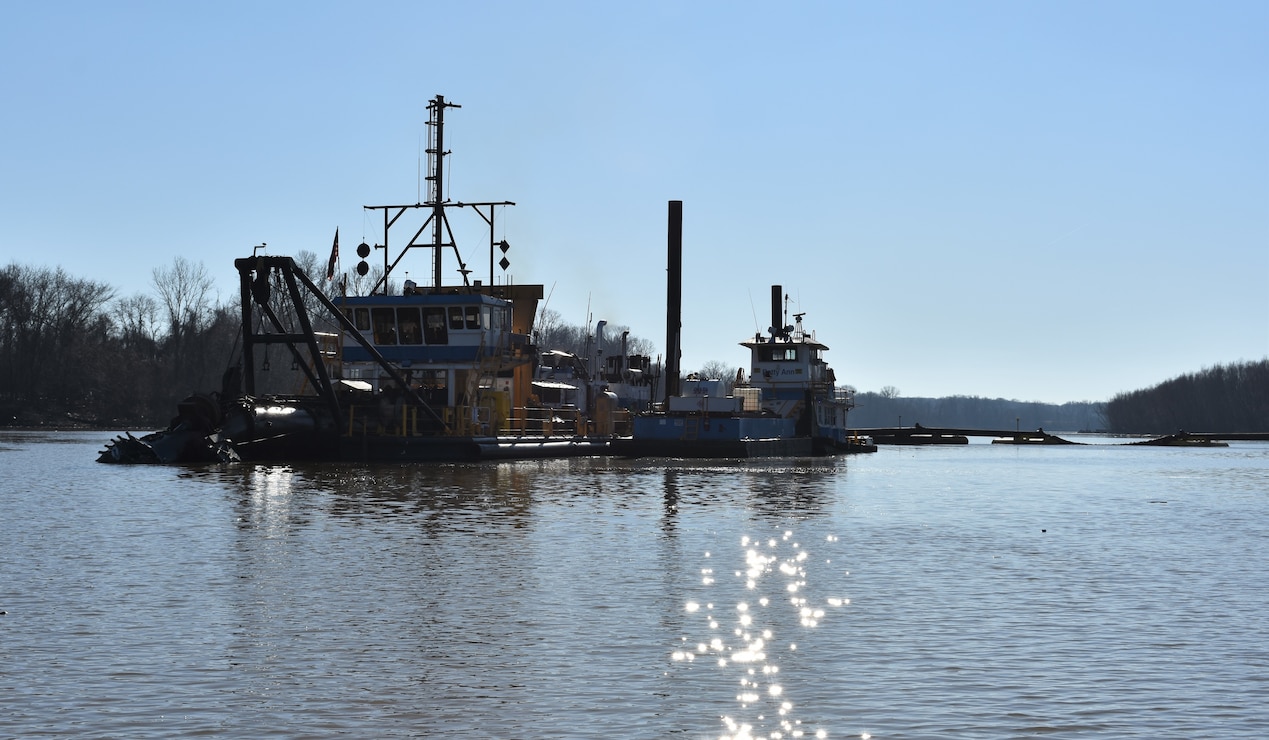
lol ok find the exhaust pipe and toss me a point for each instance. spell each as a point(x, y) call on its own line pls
point(777, 316)
point(674, 300)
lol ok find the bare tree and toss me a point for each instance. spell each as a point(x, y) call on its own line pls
point(136, 318)
point(554, 334)
point(185, 290)
point(314, 268)
point(636, 345)
point(47, 320)
point(356, 284)
point(546, 326)
point(718, 370)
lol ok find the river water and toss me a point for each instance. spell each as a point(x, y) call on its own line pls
point(980, 591)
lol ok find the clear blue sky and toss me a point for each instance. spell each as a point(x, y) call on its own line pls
point(1049, 201)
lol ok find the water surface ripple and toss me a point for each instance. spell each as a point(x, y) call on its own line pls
point(973, 592)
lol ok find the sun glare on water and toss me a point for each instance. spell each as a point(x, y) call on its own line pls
point(746, 641)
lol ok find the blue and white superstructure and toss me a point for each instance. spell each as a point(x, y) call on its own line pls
point(789, 405)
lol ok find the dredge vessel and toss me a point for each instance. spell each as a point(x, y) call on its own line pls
point(439, 372)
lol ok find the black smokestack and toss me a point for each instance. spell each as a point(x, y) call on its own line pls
point(674, 299)
point(777, 319)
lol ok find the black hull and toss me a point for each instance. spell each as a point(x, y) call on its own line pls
point(716, 448)
point(299, 430)
point(465, 449)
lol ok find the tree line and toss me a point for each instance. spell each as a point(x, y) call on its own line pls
point(888, 409)
point(1224, 398)
point(552, 332)
point(73, 351)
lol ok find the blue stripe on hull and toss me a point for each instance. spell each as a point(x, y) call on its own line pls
point(720, 428)
point(415, 354)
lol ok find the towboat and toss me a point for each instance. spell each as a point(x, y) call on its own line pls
point(788, 406)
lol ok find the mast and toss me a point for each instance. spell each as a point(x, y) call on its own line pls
point(436, 180)
point(442, 236)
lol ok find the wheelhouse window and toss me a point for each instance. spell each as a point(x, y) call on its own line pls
point(410, 331)
point(778, 354)
point(385, 325)
point(434, 330)
point(360, 317)
point(473, 317)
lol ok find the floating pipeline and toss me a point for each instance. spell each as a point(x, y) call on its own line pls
point(919, 435)
point(1183, 439)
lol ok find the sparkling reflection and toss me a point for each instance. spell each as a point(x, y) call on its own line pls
point(267, 493)
point(746, 641)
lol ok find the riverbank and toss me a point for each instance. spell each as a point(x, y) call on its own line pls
point(67, 419)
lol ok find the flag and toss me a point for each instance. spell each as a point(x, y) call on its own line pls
point(334, 255)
